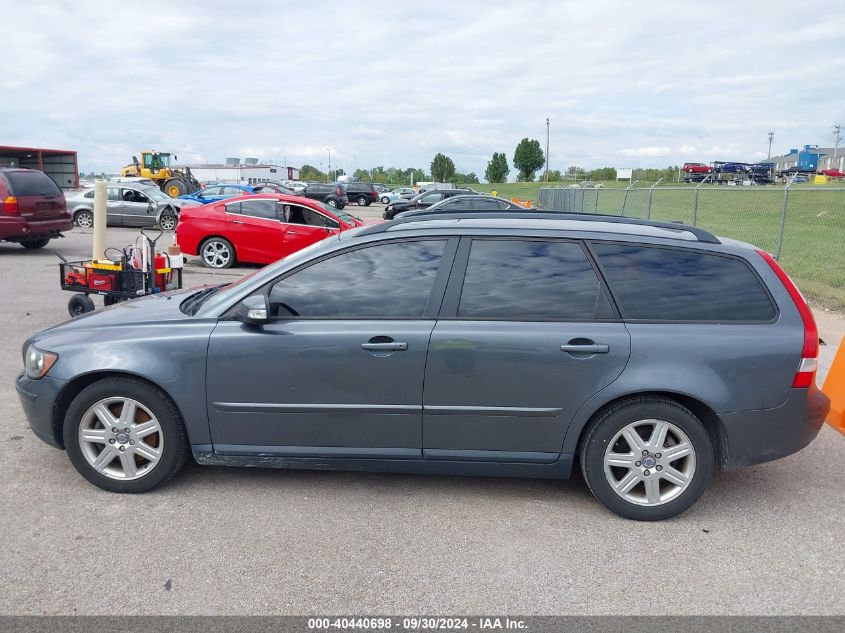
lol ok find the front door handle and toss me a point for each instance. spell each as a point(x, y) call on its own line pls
point(591, 348)
point(292, 232)
point(385, 347)
point(237, 221)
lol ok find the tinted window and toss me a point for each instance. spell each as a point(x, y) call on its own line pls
point(431, 198)
point(511, 279)
point(31, 183)
point(386, 280)
point(680, 285)
point(89, 194)
point(113, 194)
point(233, 191)
point(233, 207)
point(211, 191)
point(485, 204)
point(259, 209)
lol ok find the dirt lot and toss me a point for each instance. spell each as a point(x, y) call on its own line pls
point(763, 540)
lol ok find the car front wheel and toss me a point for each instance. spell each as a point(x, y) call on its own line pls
point(332, 203)
point(385, 200)
point(647, 458)
point(124, 435)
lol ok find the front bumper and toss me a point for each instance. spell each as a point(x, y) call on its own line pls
point(754, 437)
point(38, 399)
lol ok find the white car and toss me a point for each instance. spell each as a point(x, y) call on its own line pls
point(397, 194)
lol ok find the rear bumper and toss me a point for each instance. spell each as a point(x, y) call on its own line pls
point(754, 437)
point(38, 398)
point(15, 229)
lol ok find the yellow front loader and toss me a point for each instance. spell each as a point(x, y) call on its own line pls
point(156, 166)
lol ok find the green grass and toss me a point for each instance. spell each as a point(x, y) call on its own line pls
point(813, 249)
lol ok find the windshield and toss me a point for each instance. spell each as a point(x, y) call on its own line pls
point(202, 305)
point(156, 194)
point(343, 215)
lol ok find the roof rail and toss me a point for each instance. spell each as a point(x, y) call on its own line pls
point(700, 234)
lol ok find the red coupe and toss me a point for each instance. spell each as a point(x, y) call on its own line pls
point(258, 229)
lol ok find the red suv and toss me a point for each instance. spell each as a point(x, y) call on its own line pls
point(697, 168)
point(32, 208)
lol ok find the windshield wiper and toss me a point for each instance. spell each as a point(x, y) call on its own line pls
point(194, 302)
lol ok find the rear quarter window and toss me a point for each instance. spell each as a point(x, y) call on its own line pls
point(31, 183)
point(668, 284)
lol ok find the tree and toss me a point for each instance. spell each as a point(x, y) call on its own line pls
point(528, 158)
point(497, 169)
point(604, 173)
point(554, 175)
point(338, 173)
point(309, 172)
point(442, 168)
point(465, 179)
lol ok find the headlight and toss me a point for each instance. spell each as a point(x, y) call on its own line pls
point(37, 362)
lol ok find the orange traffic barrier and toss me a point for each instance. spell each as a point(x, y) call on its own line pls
point(834, 388)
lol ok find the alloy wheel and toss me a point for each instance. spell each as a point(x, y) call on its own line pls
point(167, 222)
point(84, 220)
point(649, 462)
point(216, 254)
point(121, 438)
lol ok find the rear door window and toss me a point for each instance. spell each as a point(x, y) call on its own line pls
point(260, 209)
point(531, 280)
point(31, 183)
point(669, 284)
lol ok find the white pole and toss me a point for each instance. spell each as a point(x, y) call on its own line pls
point(100, 201)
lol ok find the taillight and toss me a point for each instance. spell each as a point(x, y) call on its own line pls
point(806, 374)
point(10, 206)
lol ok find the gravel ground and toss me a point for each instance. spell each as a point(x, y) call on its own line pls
point(762, 540)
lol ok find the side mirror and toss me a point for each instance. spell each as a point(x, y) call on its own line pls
point(150, 208)
point(254, 310)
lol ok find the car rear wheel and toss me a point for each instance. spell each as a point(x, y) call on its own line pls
point(84, 219)
point(167, 221)
point(33, 244)
point(124, 435)
point(363, 201)
point(332, 202)
point(647, 458)
point(217, 252)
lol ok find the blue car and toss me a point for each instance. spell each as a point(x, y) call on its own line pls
point(213, 193)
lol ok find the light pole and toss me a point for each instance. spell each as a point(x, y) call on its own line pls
point(547, 150)
point(329, 170)
point(771, 138)
point(837, 130)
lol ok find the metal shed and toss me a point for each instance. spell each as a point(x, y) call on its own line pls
point(61, 165)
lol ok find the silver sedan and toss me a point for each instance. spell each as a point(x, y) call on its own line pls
point(128, 205)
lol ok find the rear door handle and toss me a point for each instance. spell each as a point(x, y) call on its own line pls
point(237, 221)
point(593, 348)
point(388, 347)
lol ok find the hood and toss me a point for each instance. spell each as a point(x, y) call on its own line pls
point(148, 310)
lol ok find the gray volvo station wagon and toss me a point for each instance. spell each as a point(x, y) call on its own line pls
point(646, 354)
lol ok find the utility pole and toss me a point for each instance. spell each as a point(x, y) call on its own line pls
point(837, 130)
point(329, 168)
point(547, 150)
point(771, 138)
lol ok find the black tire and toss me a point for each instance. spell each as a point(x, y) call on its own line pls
point(228, 263)
point(611, 422)
point(80, 304)
point(175, 451)
point(33, 244)
point(363, 201)
point(109, 300)
point(385, 200)
point(167, 221)
point(333, 203)
point(175, 186)
point(84, 219)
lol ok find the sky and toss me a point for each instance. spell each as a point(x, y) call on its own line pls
point(624, 84)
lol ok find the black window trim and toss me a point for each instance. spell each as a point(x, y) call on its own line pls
point(455, 286)
point(589, 245)
point(432, 306)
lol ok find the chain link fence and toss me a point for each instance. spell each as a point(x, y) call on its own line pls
point(803, 228)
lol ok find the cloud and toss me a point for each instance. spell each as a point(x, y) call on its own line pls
point(645, 151)
point(467, 79)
